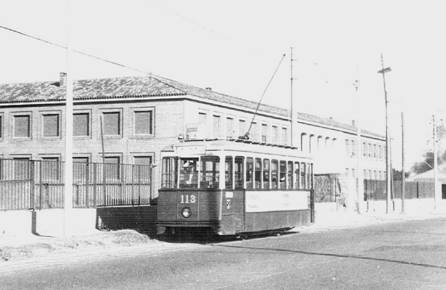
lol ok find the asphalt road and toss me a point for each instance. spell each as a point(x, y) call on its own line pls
point(407, 255)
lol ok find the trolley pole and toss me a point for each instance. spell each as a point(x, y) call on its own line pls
point(383, 71)
point(68, 170)
point(403, 175)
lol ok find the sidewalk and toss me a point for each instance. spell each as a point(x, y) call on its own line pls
point(30, 247)
point(342, 219)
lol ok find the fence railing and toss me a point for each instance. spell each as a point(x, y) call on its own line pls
point(39, 184)
point(376, 189)
point(328, 188)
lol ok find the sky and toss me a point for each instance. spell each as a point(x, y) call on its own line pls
point(234, 47)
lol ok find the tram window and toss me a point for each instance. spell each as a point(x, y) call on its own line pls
point(228, 172)
point(238, 174)
point(266, 173)
point(290, 175)
point(188, 173)
point(282, 174)
point(296, 175)
point(169, 172)
point(258, 173)
point(274, 169)
point(249, 172)
point(303, 176)
point(210, 172)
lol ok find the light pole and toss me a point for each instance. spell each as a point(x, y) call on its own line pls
point(359, 175)
point(383, 71)
point(68, 169)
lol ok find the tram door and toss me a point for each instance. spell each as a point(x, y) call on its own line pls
point(233, 199)
point(233, 211)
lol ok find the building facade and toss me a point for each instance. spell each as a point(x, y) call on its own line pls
point(142, 115)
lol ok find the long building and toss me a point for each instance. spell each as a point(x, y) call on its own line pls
point(142, 115)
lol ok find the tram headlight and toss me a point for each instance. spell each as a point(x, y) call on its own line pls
point(186, 212)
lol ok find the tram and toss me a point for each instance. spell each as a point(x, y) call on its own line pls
point(234, 187)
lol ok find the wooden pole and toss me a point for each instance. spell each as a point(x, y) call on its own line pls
point(359, 173)
point(403, 175)
point(293, 117)
point(103, 161)
point(435, 169)
point(383, 71)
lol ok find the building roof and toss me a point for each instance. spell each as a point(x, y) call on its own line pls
point(143, 86)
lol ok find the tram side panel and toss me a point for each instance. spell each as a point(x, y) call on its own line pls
point(268, 210)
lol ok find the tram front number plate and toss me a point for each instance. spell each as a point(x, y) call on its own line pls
point(188, 198)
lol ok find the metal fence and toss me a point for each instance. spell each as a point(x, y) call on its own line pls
point(39, 184)
point(326, 188)
point(376, 189)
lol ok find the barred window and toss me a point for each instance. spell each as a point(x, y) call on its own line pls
point(21, 168)
point(143, 170)
point(80, 169)
point(112, 167)
point(51, 169)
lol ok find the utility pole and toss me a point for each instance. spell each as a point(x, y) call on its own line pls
point(435, 169)
point(383, 71)
point(293, 116)
point(403, 175)
point(68, 170)
point(359, 175)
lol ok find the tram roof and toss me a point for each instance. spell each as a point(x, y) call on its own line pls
point(244, 147)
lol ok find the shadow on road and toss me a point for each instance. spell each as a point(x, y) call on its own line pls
point(335, 255)
point(203, 237)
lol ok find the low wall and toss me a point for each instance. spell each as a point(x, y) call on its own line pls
point(16, 222)
point(142, 218)
point(411, 206)
point(50, 222)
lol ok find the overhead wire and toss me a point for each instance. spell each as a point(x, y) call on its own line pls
point(52, 43)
